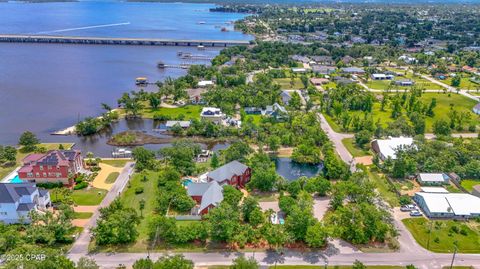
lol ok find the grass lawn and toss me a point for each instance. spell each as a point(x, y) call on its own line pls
point(82, 215)
point(333, 124)
point(92, 196)
point(189, 112)
point(112, 177)
point(442, 237)
point(256, 119)
point(285, 83)
point(265, 196)
point(469, 183)
point(5, 170)
point(379, 84)
point(116, 163)
point(459, 102)
point(465, 82)
point(354, 149)
point(383, 187)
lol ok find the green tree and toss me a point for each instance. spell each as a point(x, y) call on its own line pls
point(456, 80)
point(295, 101)
point(231, 195)
point(363, 138)
point(144, 158)
point(224, 223)
point(143, 264)
point(243, 263)
point(214, 163)
point(177, 261)
point(318, 185)
point(87, 263)
point(8, 154)
point(358, 265)
point(316, 236)
point(441, 127)
point(28, 141)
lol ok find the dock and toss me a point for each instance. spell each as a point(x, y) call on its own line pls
point(50, 39)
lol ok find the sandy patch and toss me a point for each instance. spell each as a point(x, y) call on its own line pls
point(365, 160)
point(85, 208)
point(80, 222)
point(99, 181)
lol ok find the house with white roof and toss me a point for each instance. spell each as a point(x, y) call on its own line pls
point(448, 205)
point(433, 179)
point(386, 148)
point(212, 114)
point(205, 83)
point(379, 76)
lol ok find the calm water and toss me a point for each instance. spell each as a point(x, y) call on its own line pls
point(291, 170)
point(45, 87)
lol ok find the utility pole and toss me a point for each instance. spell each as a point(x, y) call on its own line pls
point(453, 258)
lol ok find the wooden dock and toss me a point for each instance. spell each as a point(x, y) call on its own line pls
point(118, 41)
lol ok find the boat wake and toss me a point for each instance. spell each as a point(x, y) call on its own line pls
point(83, 28)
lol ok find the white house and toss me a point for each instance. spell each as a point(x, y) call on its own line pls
point(476, 109)
point(299, 70)
point(386, 148)
point(407, 59)
point(448, 205)
point(205, 83)
point(404, 82)
point(382, 77)
point(212, 114)
point(18, 199)
point(433, 179)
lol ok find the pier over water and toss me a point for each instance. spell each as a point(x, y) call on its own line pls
point(117, 41)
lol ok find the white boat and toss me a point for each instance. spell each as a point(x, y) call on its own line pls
point(200, 47)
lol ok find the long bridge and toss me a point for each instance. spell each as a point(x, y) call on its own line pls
point(7, 38)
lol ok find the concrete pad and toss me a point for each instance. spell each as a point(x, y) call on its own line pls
point(320, 207)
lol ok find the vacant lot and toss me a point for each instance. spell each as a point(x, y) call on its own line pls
point(469, 183)
point(354, 149)
point(444, 234)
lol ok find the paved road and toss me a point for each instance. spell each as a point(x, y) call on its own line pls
point(450, 88)
point(421, 260)
point(80, 247)
point(336, 139)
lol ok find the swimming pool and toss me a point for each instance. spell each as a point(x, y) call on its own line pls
point(186, 182)
point(16, 179)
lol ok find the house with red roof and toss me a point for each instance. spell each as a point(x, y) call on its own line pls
point(51, 167)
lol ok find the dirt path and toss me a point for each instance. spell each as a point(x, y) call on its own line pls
point(99, 181)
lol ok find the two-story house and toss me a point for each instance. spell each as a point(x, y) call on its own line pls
point(17, 200)
point(53, 166)
point(233, 173)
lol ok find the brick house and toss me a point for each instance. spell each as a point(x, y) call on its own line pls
point(233, 173)
point(53, 166)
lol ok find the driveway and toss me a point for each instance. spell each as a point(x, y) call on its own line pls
point(269, 205)
point(80, 246)
point(320, 207)
point(336, 139)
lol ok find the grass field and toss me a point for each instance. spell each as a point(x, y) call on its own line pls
point(469, 183)
point(256, 119)
point(285, 83)
point(92, 196)
point(82, 215)
point(4, 171)
point(442, 237)
point(116, 163)
point(444, 102)
point(465, 82)
point(383, 188)
point(112, 177)
point(354, 149)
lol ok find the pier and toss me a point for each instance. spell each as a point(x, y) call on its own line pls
point(118, 41)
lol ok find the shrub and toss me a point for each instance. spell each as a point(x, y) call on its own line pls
point(138, 190)
point(81, 185)
point(436, 240)
point(161, 117)
point(50, 185)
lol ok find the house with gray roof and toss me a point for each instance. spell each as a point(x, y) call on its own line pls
point(207, 195)
point(18, 199)
point(476, 109)
point(233, 173)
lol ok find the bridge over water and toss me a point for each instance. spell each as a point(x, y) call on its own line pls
point(6, 38)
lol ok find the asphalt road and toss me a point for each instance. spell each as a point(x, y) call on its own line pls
point(80, 247)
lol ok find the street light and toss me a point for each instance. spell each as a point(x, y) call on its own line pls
point(326, 263)
point(454, 253)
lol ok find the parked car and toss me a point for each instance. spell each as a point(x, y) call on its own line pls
point(406, 208)
point(415, 213)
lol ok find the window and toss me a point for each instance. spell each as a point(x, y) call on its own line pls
point(37, 174)
point(41, 167)
point(44, 174)
point(29, 174)
point(49, 167)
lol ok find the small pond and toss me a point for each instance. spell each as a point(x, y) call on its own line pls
point(291, 170)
